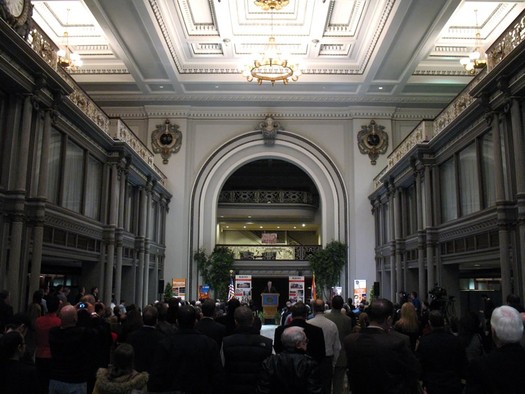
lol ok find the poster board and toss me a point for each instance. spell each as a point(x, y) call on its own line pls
point(179, 287)
point(359, 291)
point(243, 288)
point(296, 288)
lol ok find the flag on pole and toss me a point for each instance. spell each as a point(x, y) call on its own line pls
point(231, 290)
point(314, 290)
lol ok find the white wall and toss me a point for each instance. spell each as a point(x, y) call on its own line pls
point(333, 131)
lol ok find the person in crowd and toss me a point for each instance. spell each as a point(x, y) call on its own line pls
point(145, 340)
point(362, 322)
point(163, 326)
point(120, 377)
point(292, 370)
point(316, 347)
point(379, 363)
point(43, 352)
point(15, 375)
point(69, 344)
point(408, 323)
point(243, 352)
point(94, 293)
point(471, 335)
point(207, 324)
point(187, 361)
point(514, 301)
point(344, 328)
point(228, 320)
point(133, 322)
point(78, 297)
point(35, 309)
point(502, 370)
point(413, 297)
point(269, 288)
point(6, 310)
point(331, 342)
point(442, 358)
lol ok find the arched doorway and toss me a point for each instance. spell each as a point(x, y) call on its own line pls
point(250, 147)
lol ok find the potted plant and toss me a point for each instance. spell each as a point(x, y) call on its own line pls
point(327, 264)
point(215, 268)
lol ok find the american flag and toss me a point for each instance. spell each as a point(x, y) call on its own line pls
point(231, 290)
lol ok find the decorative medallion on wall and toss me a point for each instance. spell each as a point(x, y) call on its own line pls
point(166, 139)
point(18, 14)
point(269, 128)
point(372, 140)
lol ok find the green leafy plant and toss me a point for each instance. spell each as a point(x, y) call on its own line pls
point(215, 268)
point(168, 291)
point(327, 264)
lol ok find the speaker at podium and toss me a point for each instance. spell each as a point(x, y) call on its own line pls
point(270, 305)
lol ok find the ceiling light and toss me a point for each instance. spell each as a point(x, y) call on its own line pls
point(477, 58)
point(271, 66)
point(66, 57)
point(271, 4)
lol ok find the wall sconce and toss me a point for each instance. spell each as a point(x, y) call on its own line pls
point(372, 140)
point(166, 139)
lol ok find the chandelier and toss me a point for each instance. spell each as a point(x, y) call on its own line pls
point(477, 59)
point(271, 66)
point(271, 4)
point(66, 57)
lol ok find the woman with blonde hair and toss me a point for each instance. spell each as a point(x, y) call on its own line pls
point(408, 324)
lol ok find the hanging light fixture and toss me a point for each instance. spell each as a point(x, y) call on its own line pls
point(477, 59)
point(66, 57)
point(270, 66)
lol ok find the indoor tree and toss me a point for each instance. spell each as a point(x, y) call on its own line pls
point(327, 264)
point(215, 268)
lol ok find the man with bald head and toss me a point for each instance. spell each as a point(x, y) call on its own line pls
point(71, 354)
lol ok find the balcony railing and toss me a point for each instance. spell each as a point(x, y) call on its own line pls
point(273, 252)
point(267, 197)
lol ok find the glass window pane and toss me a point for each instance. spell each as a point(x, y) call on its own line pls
point(488, 176)
point(73, 177)
point(55, 148)
point(94, 188)
point(469, 180)
point(447, 176)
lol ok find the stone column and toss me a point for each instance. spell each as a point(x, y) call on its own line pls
point(501, 207)
point(391, 226)
point(113, 213)
point(119, 233)
point(18, 215)
point(398, 240)
point(38, 232)
point(141, 241)
point(427, 192)
point(519, 157)
point(149, 191)
point(422, 288)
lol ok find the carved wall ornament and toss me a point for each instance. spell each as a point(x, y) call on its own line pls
point(269, 128)
point(166, 139)
point(372, 140)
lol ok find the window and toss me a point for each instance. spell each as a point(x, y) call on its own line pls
point(449, 209)
point(93, 188)
point(487, 170)
point(73, 177)
point(55, 148)
point(469, 180)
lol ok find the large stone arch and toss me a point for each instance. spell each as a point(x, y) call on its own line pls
point(248, 147)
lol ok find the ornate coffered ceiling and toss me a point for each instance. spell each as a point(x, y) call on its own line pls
point(397, 53)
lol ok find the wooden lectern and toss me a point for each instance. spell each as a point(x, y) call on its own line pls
point(270, 303)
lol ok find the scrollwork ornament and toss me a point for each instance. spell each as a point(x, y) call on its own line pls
point(269, 128)
point(372, 140)
point(166, 139)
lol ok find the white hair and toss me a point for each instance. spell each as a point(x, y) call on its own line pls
point(506, 323)
point(292, 336)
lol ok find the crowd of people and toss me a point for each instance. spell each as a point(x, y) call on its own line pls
point(63, 344)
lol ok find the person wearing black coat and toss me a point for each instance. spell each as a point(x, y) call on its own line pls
point(316, 346)
point(187, 361)
point(291, 371)
point(207, 324)
point(244, 351)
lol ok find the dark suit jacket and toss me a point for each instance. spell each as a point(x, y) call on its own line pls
point(144, 342)
point(212, 329)
point(500, 371)
point(315, 349)
point(380, 363)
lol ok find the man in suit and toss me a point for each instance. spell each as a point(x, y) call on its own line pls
point(316, 348)
point(378, 362)
point(145, 340)
point(442, 357)
point(502, 370)
point(270, 288)
point(344, 327)
point(244, 352)
point(207, 324)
